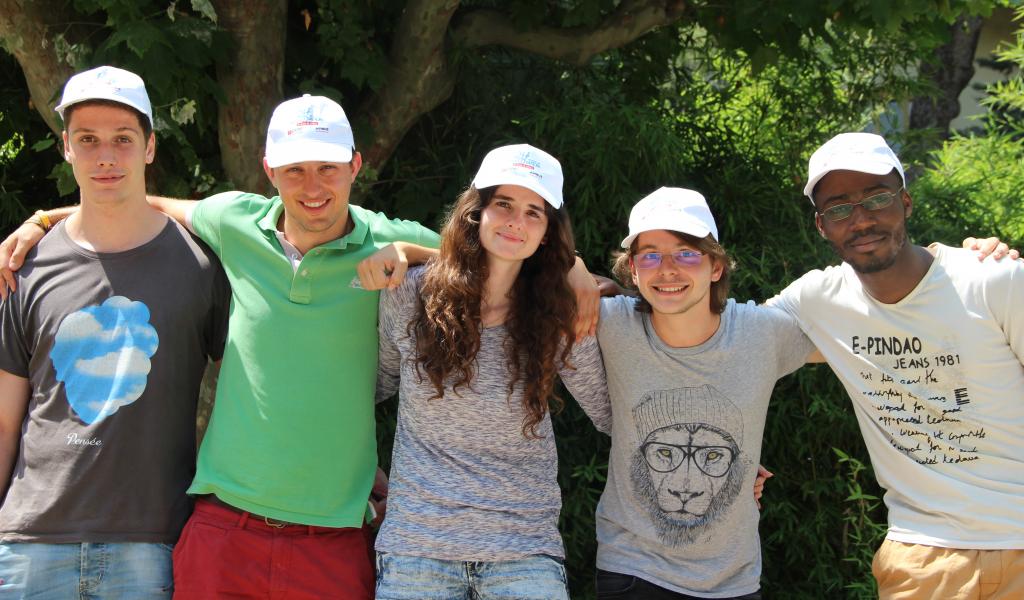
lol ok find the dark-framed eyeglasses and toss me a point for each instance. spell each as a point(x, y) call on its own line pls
point(713, 461)
point(838, 212)
point(652, 260)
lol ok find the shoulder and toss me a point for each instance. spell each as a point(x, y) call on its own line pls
point(233, 204)
point(386, 230)
point(616, 307)
point(183, 238)
point(404, 297)
point(618, 314)
point(966, 272)
point(751, 313)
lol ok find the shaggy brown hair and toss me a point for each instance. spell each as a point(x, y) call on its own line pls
point(707, 245)
point(539, 323)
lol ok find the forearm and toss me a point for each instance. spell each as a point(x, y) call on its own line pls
point(179, 210)
point(416, 254)
point(48, 218)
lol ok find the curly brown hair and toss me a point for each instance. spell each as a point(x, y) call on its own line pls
point(708, 245)
point(539, 323)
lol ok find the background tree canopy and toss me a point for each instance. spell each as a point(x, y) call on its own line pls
point(726, 97)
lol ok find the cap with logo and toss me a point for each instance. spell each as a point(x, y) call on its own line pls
point(674, 209)
point(107, 83)
point(310, 128)
point(860, 152)
point(522, 165)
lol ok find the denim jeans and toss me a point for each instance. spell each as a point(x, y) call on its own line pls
point(404, 577)
point(85, 571)
point(616, 586)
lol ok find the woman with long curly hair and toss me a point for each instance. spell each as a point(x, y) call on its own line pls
point(473, 342)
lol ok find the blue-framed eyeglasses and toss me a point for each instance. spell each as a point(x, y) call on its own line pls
point(652, 260)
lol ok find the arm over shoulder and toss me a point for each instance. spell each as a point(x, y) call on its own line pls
point(396, 308)
point(587, 383)
point(206, 217)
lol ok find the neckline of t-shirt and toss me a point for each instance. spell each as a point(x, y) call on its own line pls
point(92, 254)
point(925, 279)
point(708, 344)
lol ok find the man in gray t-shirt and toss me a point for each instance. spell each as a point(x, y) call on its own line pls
point(690, 374)
point(104, 347)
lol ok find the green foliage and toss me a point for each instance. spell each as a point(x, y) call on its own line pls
point(972, 185)
point(730, 104)
point(713, 121)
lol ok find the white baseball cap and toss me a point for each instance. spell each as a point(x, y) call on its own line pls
point(523, 165)
point(674, 209)
point(861, 152)
point(310, 128)
point(107, 83)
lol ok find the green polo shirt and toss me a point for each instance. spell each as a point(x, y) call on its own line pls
point(292, 434)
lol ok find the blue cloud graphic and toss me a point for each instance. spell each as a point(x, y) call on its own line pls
point(101, 353)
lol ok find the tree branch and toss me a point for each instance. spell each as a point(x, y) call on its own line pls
point(419, 77)
point(26, 29)
point(632, 19)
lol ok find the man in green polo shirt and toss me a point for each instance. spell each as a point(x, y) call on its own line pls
point(289, 458)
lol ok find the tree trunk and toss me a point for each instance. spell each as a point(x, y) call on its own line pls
point(950, 70)
point(251, 79)
point(27, 28)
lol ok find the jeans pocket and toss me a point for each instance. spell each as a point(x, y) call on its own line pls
point(379, 566)
point(610, 585)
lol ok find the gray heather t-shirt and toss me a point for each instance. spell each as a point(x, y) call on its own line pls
point(678, 508)
point(114, 346)
point(465, 483)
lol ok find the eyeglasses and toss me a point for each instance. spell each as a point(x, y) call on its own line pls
point(713, 461)
point(652, 260)
point(839, 212)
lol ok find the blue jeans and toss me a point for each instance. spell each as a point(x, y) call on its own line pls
point(403, 577)
point(85, 571)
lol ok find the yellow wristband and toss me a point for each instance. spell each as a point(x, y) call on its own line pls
point(43, 219)
point(34, 220)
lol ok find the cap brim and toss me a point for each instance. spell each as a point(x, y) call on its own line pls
point(307, 151)
point(696, 229)
point(60, 108)
point(522, 181)
point(874, 167)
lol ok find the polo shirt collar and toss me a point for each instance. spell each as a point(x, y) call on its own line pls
point(356, 237)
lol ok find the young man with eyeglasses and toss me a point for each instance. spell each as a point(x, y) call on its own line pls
point(929, 344)
point(690, 373)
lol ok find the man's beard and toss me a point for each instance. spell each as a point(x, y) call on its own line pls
point(870, 264)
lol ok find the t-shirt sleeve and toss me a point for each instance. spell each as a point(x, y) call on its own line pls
point(1005, 298)
point(389, 326)
point(792, 345)
point(587, 383)
point(788, 300)
point(217, 327)
point(387, 230)
point(14, 354)
point(208, 215)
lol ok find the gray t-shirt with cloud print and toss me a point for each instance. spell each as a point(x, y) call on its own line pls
point(678, 509)
point(114, 346)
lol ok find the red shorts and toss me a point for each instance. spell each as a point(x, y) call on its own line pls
point(223, 553)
